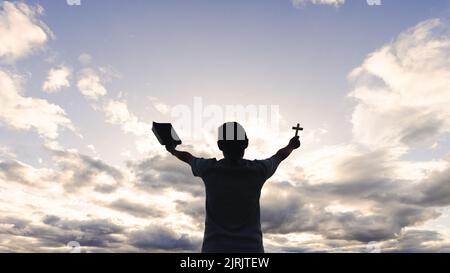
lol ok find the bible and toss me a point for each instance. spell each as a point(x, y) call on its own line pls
point(165, 133)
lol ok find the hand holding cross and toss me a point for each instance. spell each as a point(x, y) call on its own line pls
point(297, 128)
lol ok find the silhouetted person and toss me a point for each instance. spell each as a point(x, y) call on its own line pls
point(233, 188)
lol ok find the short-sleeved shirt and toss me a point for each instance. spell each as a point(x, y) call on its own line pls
point(232, 203)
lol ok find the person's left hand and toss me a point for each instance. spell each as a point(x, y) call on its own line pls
point(294, 143)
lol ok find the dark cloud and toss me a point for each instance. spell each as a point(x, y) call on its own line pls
point(195, 208)
point(85, 170)
point(157, 173)
point(96, 235)
point(290, 209)
point(89, 233)
point(417, 241)
point(95, 226)
point(75, 172)
point(15, 222)
point(408, 241)
point(158, 238)
point(51, 220)
point(434, 191)
point(55, 233)
point(372, 166)
point(423, 130)
point(135, 209)
point(12, 171)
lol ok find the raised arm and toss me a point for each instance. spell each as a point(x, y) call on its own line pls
point(181, 155)
point(282, 154)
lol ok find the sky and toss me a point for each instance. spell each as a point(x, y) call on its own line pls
point(80, 86)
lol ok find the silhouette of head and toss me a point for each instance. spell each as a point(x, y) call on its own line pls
point(232, 140)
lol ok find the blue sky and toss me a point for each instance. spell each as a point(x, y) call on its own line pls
point(366, 82)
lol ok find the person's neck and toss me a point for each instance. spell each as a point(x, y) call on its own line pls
point(232, 161)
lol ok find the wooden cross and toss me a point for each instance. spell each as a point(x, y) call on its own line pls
point(297, 128)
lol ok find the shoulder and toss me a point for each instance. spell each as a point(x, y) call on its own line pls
point(199, 165)
point(263, 162)
point(266, 166)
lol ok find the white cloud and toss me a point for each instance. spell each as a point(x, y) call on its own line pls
point(6, 152)
point(402, 90)
point(25, 113)
point(300, 3)
point(57, 79)
point(20, 30)
point(90, 84)
point(92, 148)
point(117, 113)
point(159, 105)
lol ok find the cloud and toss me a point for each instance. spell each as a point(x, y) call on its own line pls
point(13, 171)
point(159, 105)
point(135, 209)
point(26, 113)
point(53, 233)
point(194, 208)
point(74, 172)
point(57, 79)
point(289, 209)
point(92, 232)
point(401, 90)
point(90, 84)
point(300, 3)
point(6, 152)
point(117, 113)
point(154, 238)
point(20, 30)
point(79, 171)
point(158, 173)
point(434, 191)
point(72, 209)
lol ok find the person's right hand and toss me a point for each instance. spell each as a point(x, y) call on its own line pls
point(294, 143)
point(171, 148)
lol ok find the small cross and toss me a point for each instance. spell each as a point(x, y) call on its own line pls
point(297, 128)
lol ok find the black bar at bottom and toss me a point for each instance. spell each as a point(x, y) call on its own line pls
point(223, 262)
